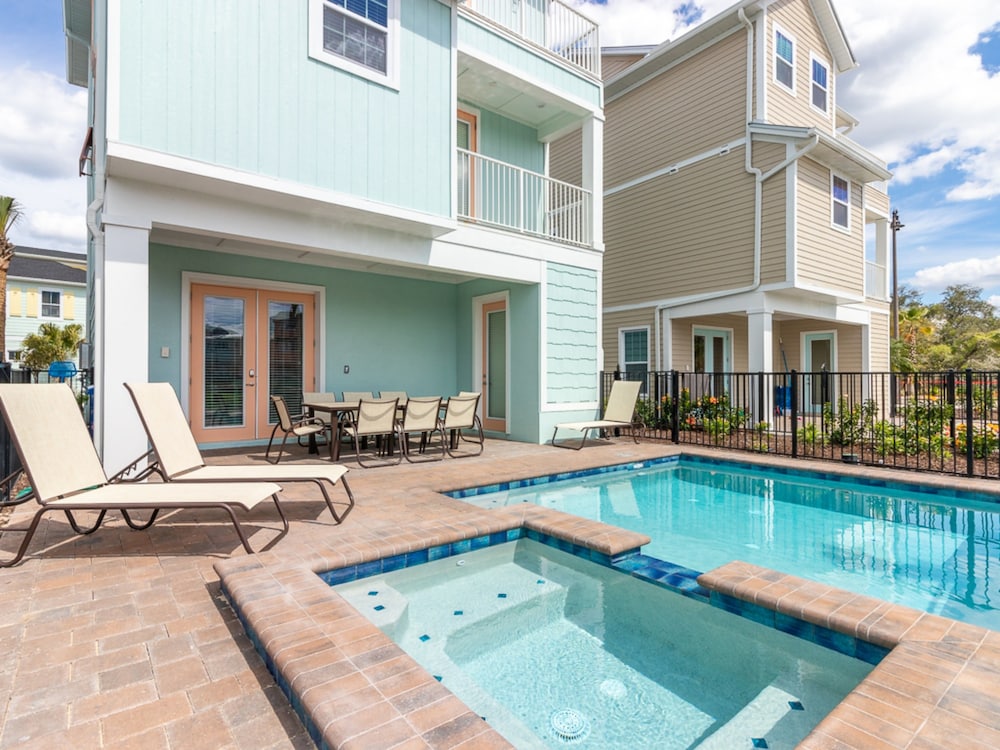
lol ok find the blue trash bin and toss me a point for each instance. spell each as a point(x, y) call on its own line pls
point(782, 399)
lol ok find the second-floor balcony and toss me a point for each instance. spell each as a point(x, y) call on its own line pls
point(494, 193)
point(876, 281)
point(550, 24)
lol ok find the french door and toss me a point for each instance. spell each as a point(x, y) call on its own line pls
point(711, 350)
point(819, 368)
point(247, 345)
point(494, 365)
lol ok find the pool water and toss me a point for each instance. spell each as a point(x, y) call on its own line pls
point(554, 651)
point(941, 555)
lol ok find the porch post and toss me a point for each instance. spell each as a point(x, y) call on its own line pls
point(593, 175)
point(760, 356)
point(123, 344)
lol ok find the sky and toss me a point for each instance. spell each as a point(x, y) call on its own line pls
point(926, 93)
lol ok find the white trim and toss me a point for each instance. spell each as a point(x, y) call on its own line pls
point(621, 363)
point(319, 53)
point(730, 338)
point(834, 202)
point(791, 218)
point(477, 351)
point(543, 335)
point(674, 168)
point(241, 282)
point(813, 57)
point(41, 303)
point(778, 29)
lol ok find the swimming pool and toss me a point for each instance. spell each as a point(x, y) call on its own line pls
point(555, 651)
point(932, 551)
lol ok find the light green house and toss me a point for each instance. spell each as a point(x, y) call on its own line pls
point(307, 195)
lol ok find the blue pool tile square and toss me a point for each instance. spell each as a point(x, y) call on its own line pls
point(479, 542)
point(396, 562)
point(425, 638)
point(540, 581)
point(498, 537)
point(501, 596)
point(379, 607)
point(341, 575)
point(759, 742)
point(438, 677)
point(796, 706)
point(461, 547)
point(458, 613)
point(417, 557)
point(373, 593)
point(370, 568)
point(439, 552)
point(514, 534)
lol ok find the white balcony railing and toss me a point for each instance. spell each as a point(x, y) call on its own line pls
point(502, 195)
point(876, 281)
point(550, 24)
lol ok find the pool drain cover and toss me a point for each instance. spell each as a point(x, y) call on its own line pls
point(570, 725)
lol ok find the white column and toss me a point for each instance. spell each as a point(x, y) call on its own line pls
point(123, 347)
point(760, 342)
point(593, 174)
point(882, 260)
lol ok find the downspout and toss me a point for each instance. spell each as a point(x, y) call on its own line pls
point(757, 203)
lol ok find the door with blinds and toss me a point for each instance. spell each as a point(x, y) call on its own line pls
point(247, 345)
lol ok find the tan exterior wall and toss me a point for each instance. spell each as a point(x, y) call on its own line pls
point(680, 234)
point(613, 322)
point(612, 65)
point(691, 108)
point(876, 200)
point(826, 256)
point(774, 213)
point(682, 340)
point(786, 107)
point(880, 342)
point(565, 158)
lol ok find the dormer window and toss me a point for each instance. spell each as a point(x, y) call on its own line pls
point(820, 87)
point(784, 59)
point(361, 36)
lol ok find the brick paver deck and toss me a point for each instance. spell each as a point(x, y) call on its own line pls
point(123, 639)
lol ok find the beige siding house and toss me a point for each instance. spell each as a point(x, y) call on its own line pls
point(744, 229)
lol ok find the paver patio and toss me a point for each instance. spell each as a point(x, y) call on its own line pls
point(123, 638)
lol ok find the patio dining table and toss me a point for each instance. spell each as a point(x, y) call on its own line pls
point(335, 409)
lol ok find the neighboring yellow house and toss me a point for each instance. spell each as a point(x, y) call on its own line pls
point(736, 207)
point(43, 286)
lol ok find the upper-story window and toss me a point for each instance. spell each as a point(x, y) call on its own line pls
point(634, 347)
point(820, 86)
point(51, 303)
point(784, 59)
point(841, 201)
point(361, 36)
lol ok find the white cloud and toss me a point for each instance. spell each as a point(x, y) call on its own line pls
point(977, 272)
point(44, 127)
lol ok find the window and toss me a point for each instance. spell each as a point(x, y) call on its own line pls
point(51, 304)
point(820, 89)
point(784, 59)
point(841, 195)
point(634, 347)
point(361, 36)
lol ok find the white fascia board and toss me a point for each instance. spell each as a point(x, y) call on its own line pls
point(506, 244)
point(156, 168)
point(49, 282)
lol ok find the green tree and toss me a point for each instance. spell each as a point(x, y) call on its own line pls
point(50, 344)
point(10, 212)
point(968, 325)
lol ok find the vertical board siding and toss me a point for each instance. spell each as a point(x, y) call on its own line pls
point(827, 257)
point(510, 142)
point(483, 42)
point(232, 84)
point(571, 332)
point(783, 106)
point(680, 234)
point(697, 105)
point(613, 322)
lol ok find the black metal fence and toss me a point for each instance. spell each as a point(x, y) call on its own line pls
point(928, 421)
point(10, 462)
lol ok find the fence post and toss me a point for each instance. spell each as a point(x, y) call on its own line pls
point(795, 412)
point(761, 413)
point(950, 394)
point(969, 446)
point(675, 406)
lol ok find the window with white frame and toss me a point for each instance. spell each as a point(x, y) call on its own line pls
point(361, 36)
point(784, 59)
point(820, 85)
point(840, 193)
point(634, 348)
point(51, 303)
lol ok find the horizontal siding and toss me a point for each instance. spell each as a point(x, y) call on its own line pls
point(614, 322)
point(827, 257)
point(680, 234)
point(571, 332)
point(783, 107)
point(566, 158)
point(232, 84)
point(612, 65)
point(774, 214)
point(876, 200)
point(691, 108)
point(880, 342)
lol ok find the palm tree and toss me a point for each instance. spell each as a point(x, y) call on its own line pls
point(10, 212)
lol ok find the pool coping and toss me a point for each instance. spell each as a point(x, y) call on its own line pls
point(355, 688)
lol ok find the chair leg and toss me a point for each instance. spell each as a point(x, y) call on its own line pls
point(267, 453)
point(28, 534)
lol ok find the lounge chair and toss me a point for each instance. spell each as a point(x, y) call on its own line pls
point(66, 475)
point(460, 416)
point(421, 415)
point(617, 414)
point(374, 418)
point(302, 426)
point(178, 458)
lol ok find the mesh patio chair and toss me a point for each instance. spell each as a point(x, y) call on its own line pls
point(375, 418)
point(300, 426)
point(460, 418)
point(422, 415)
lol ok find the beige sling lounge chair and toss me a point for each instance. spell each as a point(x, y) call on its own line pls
point(179, 460)
point(618, 413)
point(421, 415)
point(65, 472)
point(375, 418)
point(461, 416)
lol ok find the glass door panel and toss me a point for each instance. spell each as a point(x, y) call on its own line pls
point(819, 369)
point(495, 366)
point(290, 367)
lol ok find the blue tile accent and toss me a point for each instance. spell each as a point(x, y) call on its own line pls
point(759, 742)
point(417, 557)
point(370, 568)
point(438, 677)
point(458, 613)
point(439, 552)
point(461, 547)
point(501, 596)
point(540, 581)
point(479, 542)
point(796, 706)
point(341, 575)
point(372, 593)
point(425, 638)
point(379, 607)
point(396, 562)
